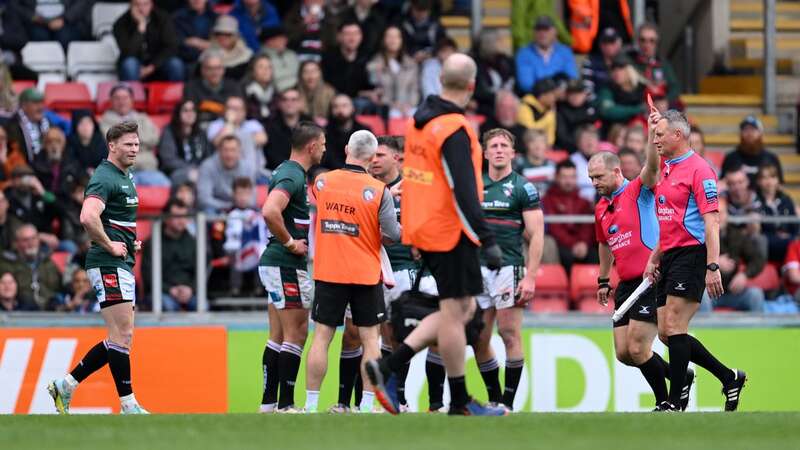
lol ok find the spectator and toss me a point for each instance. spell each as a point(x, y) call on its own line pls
point(346, 69)
point(29, 202)
point(791, 270)
point(6, 164)
point(432, 67)
point(284, 61)
point(79, 297)
point(215, 181)
point(235, 53)
point(57, 20)
point(738, 250)
point(538, 110)
point(253, 17)
point(615, 138)
point(533, 164)
point(750, 154)
point(622, 100)
point(13, 38)
point(341, 125)
point(372, 22)
point(122, 110)
point(69, 207)
point(250, 133)
point(587, 140)
point(697, 142)
point(495, 71)
point(8, 98)
point(421, 31)
point(630, 163)
point(259, 88)
point(8, 223)
point(10, 299)
point(279, 127)
point(775, 203)
point(315, 94)
point(36, 275)
point(147, 44)
point(575, 241)
point(657, 71)
point(572, 113)
point(544, 57)
point(596, 69)
point(26, 128)
point(178, 250)
point(86, 144)
point(53, 169)
point(183, 145)
point(193, 25)
point(525, 12)
point(635, 139)
point(210, 91)
point(506, 111)
point(311, 27)
point(246, 235)
point(395, 75)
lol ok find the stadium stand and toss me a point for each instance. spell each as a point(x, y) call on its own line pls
point(63, 97)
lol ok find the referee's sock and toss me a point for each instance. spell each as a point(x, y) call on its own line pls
point(654, 373)
point(703, 358)
point(680, 351)
point(513, 375)
point(435, 373)
point(490, 372)
point(94, 360)
point(664, 365)
point(269, 362)
point(288, 365)
point(119, 361)
point(349, 365)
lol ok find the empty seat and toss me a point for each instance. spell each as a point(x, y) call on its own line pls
point(93, 80)
point(398, 125)
point(552, 289)
point(152, 199)
point(60, 259)
point(90, 56)
point(583, 281)
point(160, 120)
point(556, 155)
point(589, 305)
point(46, 78)
point(162, 96)
point(21, 85)
point(144, 228)
point(67, 97)
point(44, 57)
point(546, 304)
point(104, 95)
point(375, 123)
point(104, 15)
point(262, 192)
point(715, 158)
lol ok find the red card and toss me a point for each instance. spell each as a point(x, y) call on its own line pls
point(650, 101)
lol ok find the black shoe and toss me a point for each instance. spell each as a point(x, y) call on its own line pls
point(732, 390)
point(666, 406)
point(687, 388)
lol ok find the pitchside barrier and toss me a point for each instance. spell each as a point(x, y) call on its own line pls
point(211, 363)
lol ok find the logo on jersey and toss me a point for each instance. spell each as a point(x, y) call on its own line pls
point(320, 183)
point(644, 309)
point(533, 194)
point(508, 189)
point(662, 199)
point(679, 286)
point(613, 229)
point(110, 281)
point(368, 194)
point(710, 188)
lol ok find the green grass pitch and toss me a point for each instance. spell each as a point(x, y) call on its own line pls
point(411, 431)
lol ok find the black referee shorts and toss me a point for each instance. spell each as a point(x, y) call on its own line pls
point(683, 274)
point(331, 300)
point(458, 271)
point(644, 310)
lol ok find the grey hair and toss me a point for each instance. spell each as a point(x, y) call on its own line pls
point(210, 53)
point(677, 121)
point(607, 159)
point(362, 145)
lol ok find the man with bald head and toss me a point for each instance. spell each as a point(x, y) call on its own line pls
point(443, 219)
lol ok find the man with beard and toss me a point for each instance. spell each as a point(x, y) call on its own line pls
point(750, 153)
point(38, 278)
point(341, 125)
point(279, 127)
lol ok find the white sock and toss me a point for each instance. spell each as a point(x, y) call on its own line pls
point(70, 382)
point(127, 401)
point(312, 401)
point(268, 408)
point(367, 400)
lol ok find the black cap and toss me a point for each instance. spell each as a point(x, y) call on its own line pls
point(544, 22)
point(609, 35)
point(575, 86)
point(271, 32)
point(544, 86)
point(620, 61)
point(751, 121)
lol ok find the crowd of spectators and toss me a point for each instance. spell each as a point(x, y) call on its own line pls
point(253, 73)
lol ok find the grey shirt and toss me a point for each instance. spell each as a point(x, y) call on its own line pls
point(388, 217)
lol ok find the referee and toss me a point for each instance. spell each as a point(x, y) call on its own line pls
point(687, 257)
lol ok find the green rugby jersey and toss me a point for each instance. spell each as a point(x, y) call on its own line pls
point(289, 177)
point(400, 255)
point(503, 203)
point(116, 189)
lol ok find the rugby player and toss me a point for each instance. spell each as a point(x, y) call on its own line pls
point(510, 205)
point(283, 268)
point(687, 257)
point(109, 216)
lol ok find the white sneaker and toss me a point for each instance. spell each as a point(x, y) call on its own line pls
point(291, 409)
point(339, 409)
point(134, 409)
point(267, 409)
point(61, 394)
point(404, 408)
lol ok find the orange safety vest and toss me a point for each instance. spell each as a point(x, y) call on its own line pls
point(347, 235)
point(431, 219)
point(584, 21)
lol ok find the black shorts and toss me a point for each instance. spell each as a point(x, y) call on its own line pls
point(458, 271)
point(683, 274)
point(331, 300)
point(644, 310)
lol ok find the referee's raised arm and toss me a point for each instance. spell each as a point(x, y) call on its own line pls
point(650, 170)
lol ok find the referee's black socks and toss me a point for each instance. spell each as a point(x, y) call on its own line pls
point(653, 371)
point(703, 358)
point(680, 351)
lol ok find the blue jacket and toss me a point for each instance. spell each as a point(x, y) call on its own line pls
point(190, 24)
point(248, 28)
point(532, 68)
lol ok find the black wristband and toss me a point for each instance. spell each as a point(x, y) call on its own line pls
point(601, 280)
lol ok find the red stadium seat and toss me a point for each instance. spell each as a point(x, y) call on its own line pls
point(261, 194)
point(104, 95)
point(60, 259)
point(160, 120)
point(144, 228)
point(21, 85)
point(768, 279)
point(583, 281)
point(548, 304)
point(375, 123)
point(557, 155)
point(152, 199)
point(398, 125)
point(163, 96)
point(552, 289)
point(67, 97)
point(589, 305)
point(716, 158)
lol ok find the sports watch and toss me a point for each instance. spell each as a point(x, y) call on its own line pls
point(713, 267)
